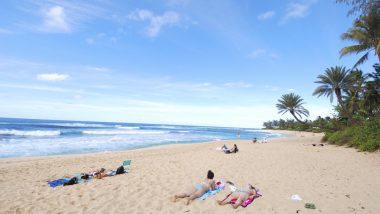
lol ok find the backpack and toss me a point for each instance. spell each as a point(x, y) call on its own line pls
point(72, 181)
point(120, 170)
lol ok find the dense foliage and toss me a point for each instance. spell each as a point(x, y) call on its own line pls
point(357, 119)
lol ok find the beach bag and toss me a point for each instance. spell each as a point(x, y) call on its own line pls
point(72, 181)
point(120, 170)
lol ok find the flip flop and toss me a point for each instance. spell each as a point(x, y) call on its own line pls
point(310, 206)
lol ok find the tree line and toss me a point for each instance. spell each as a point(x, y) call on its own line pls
point(356, 121)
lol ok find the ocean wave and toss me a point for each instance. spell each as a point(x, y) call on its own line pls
point(253, 130)
point(36, 133)
point(80, 125)
point(120, 132)
point(127, 127)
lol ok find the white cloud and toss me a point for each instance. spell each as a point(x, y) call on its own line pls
point(97, 69)
point(100, 38)
point(52, 77)
point(63, 16)
point(48, 89)
point(256, 53)
point(55, 20)
point(297, 10)
point(90, 41)
point(77, 97)
point(156, 22)
point(266, 15)
point(238, 85)
point(291, 89)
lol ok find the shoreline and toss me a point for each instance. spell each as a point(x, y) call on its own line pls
point(145, 147)
point(280, 168)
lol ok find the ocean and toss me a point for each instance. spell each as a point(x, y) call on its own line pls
point(30, 137)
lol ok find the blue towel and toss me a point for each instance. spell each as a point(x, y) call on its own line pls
point(58, 182)
point(211, 192)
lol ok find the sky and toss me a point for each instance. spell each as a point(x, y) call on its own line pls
point(191, 62)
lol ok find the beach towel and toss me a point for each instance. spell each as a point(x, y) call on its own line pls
point(248, 201)
point(58, 182)
point(217, 189)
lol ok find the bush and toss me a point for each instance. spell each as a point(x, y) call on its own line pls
point(325, 138)
point(341, 137)
point(367, 136)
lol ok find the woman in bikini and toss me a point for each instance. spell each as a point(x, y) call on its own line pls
point(199, 189)
point(239, 195)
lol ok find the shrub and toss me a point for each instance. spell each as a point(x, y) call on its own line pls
point(341, 137)
point(325, 138)
point(367, 136)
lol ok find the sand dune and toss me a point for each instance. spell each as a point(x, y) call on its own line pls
point(335, 179)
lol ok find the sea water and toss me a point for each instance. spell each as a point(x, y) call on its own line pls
point(29, 137)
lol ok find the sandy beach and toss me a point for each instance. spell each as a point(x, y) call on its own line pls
point(335, 179)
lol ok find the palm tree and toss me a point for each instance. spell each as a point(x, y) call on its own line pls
point(360, 5)
point(354, 91)
point(292, 103)
point(366, 33)
point(333, 82)
point(371, 99)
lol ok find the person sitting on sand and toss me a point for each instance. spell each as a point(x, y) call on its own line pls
point(239, 195)
point(232, 150)
point(199, 189)
point(265, 140)
point(254, 140)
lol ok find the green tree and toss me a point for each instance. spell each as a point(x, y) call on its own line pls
point(293, 104)
point(371, 97)
point(333, 82)
point(366, 34)
point(360, 5)
point(355, 92)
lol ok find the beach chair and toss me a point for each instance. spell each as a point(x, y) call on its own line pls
point(126, 164)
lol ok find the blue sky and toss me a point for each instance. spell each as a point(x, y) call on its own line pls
point(223, 63)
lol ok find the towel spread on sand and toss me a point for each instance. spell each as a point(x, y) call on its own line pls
point(248, 201)
point(62, 181)
point(58, 182)
point(217, 189)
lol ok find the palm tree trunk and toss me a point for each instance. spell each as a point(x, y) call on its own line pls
point(346, 112)
point(296, 117)
point(338, 94)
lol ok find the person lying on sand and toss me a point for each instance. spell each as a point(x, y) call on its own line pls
point(224, 148)
point(198, 190)
point(99, 174)
point(239, 195)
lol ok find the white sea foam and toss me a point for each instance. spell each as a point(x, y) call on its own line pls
point(121, 132)
point(162, 127)
point(127, 127)
point(80, 125)
point(253, 130)
point(36, 133)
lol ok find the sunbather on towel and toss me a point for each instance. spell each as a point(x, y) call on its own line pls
point(239, 195)
point(198, 190)
point(99, 173)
